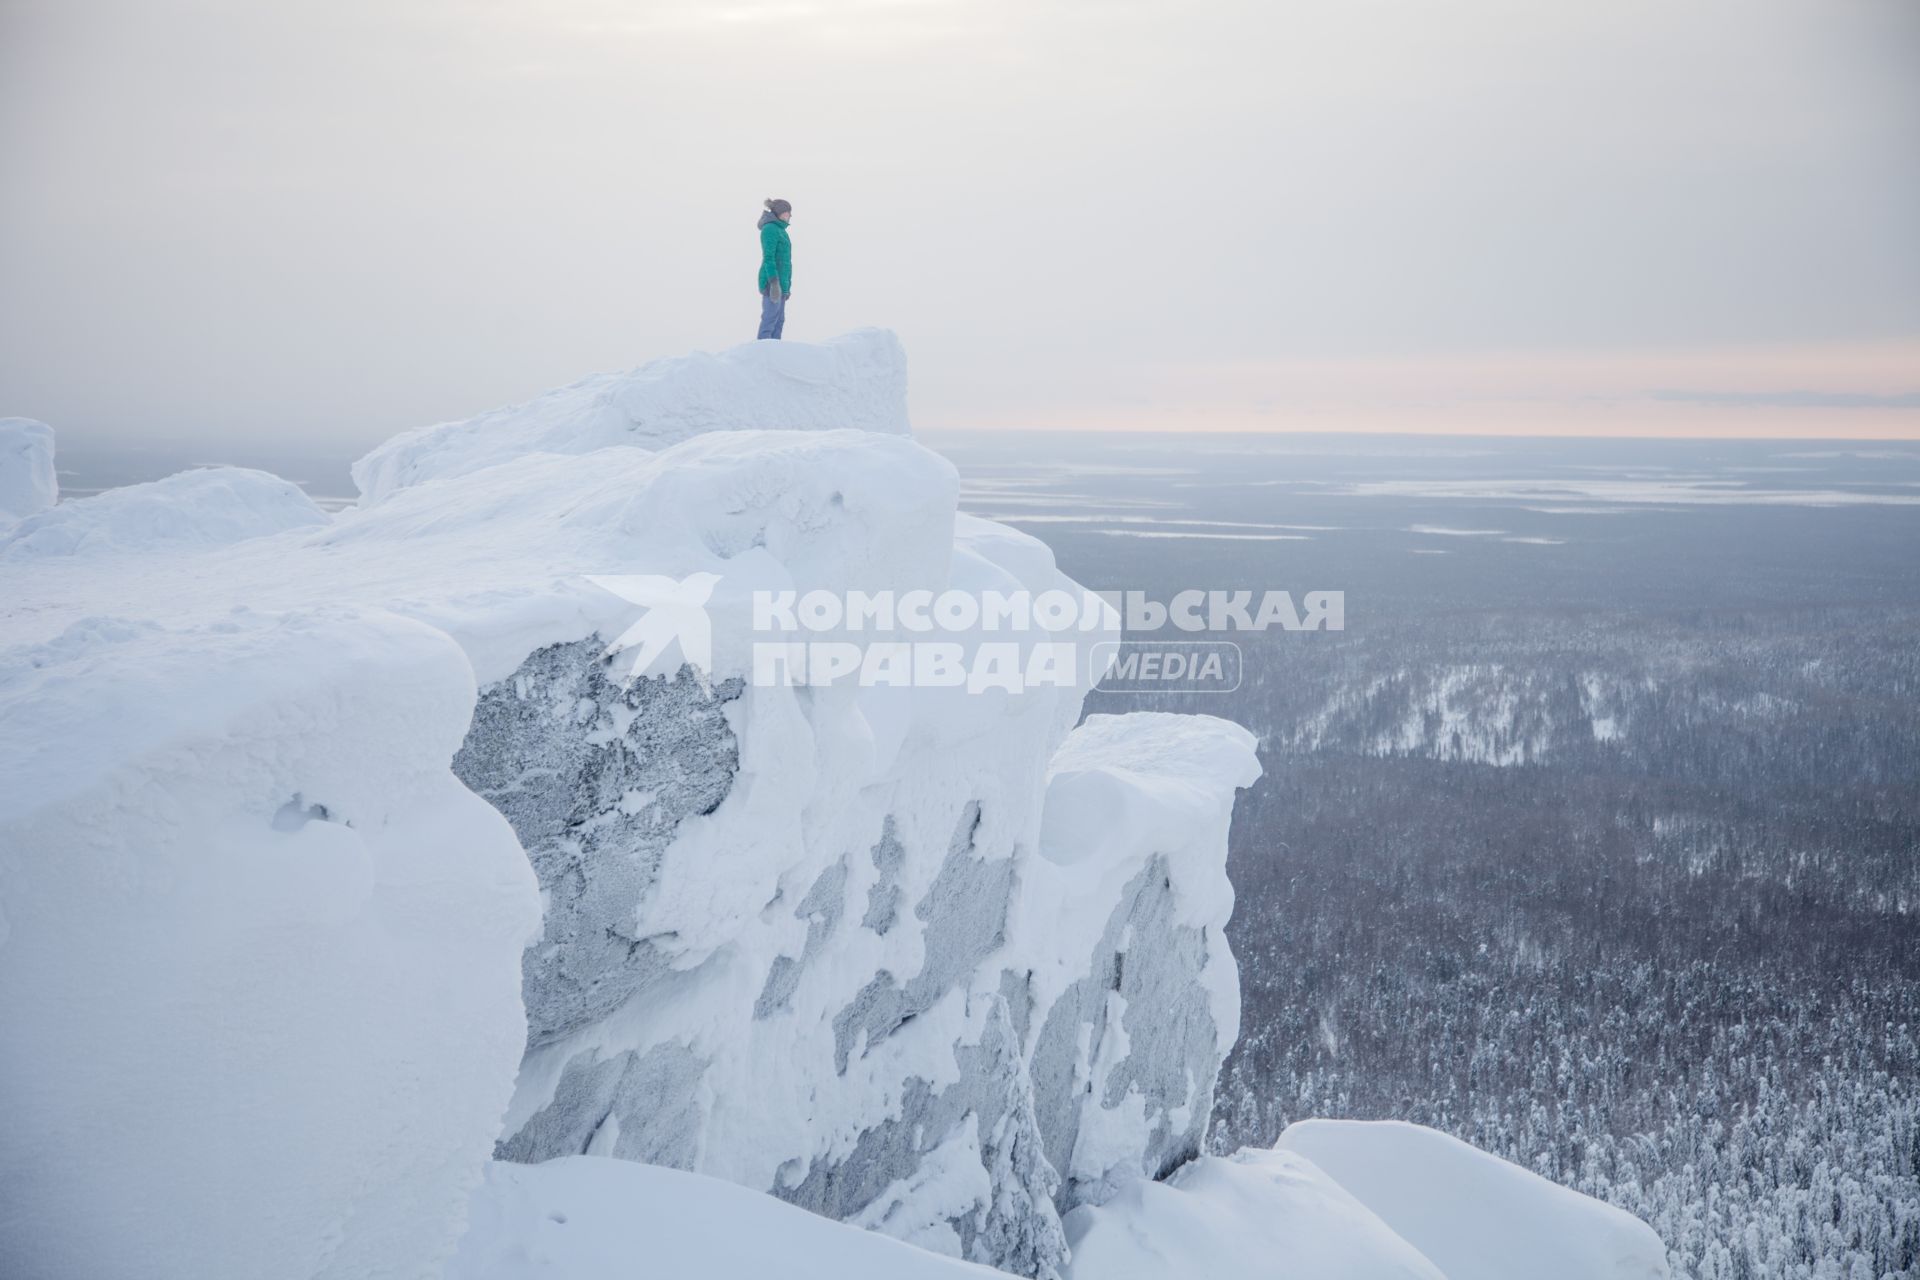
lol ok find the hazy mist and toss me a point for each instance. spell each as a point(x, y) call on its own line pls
point(326, 221)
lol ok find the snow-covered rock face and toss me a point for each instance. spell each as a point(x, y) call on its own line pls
point(259, 950)
point(27, 481)
point(961, 1170)
point(917, 958)
point(922, 1024)
point(190, 511)
point(1125, 1055)
point(855, 381)
point(883, 1012)
point(939, 1012)
point(596, 779)
point(1124, 1063)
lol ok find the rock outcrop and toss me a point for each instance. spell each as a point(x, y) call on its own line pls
point(921, 957)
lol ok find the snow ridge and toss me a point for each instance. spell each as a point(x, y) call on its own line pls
point(191, 511)
point(857, 381)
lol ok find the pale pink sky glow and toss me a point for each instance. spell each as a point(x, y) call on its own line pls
point(1854, 390)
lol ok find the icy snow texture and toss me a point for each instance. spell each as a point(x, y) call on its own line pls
point(1352, 1200)
point(27, 480)
point(805, 940)
point(189, 511)
point(584, 1218)
point(1257, 1215)
point(1474, 1215)
point(858, 380)
point(258, 950)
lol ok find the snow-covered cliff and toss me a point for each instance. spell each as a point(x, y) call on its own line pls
point(912, 957)
point(924, 958)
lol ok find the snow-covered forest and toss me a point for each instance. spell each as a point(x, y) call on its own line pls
point(1603, 855)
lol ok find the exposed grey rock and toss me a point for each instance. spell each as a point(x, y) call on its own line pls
point(1017, 990)
point(1017, 1229)
point(595, 777)
point(1173, 1053)
point(965, 913)
point(597, 780)
point(883, 899)
point(821, 910)
point(649, 1100)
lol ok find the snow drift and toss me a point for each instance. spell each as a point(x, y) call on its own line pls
point(858, 381)
point(1353, 1200)
point(193, 510)
point(258, 950)
point(1257, 1215)
point(27, 480)
point(1476, 1216)
point(588, 1218)
point(1254, 1216)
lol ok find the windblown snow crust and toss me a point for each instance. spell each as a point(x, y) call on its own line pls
point(258, 950)
point(1256, 1215)
point(856, 381)
point(1476, 1216)
point(587, 1218)
point(1252, 1216)
point(194, 510)
point(1352, 1200)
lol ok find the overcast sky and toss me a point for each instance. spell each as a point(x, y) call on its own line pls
point(321, 221)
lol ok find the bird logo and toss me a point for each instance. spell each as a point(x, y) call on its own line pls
point(675, 623)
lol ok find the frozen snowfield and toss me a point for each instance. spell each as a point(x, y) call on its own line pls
point(588, 1217)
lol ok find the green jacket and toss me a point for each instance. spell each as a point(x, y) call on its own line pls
point(776, 257)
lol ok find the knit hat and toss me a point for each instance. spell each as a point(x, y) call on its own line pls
point(778, 207)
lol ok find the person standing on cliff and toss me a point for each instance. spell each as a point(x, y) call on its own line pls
point(776, 267)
